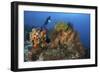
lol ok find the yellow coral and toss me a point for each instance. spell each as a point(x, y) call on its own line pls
point(61, 26)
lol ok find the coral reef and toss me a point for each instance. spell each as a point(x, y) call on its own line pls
point(64, 43)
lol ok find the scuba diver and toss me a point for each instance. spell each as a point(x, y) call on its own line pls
point(43, 28)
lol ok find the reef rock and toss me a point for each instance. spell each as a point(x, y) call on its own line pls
point(64, 44)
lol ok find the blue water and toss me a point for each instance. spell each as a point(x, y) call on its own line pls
point(80, 22)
